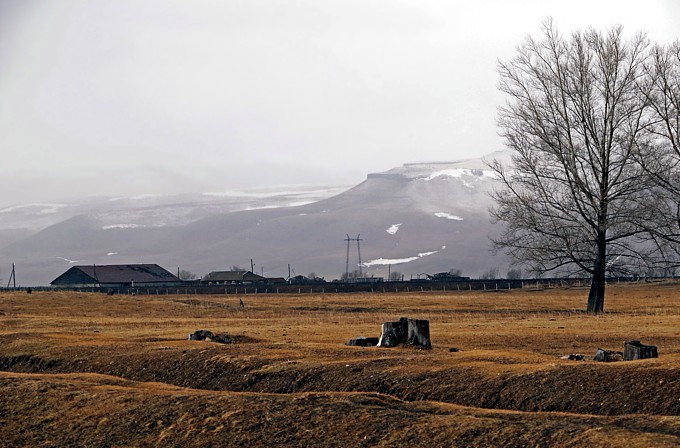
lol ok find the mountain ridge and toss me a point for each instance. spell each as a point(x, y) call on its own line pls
point(417, 218)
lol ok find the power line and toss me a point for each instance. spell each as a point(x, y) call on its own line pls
point(12, 278)
point(349, 240)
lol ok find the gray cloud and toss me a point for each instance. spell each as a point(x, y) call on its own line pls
point(213, 95)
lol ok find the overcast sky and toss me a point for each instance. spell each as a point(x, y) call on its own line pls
point(141, 96)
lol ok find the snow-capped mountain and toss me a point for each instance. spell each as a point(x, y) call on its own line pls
point(415, 219)
point(153, 210)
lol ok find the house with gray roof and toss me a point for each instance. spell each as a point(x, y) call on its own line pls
point(116, 276)
point(232, 278)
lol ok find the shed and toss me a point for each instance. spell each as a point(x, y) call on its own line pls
point(116, 276)
point(232, 278)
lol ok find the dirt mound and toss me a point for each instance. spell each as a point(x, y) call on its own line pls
point(587, 388)
point(93, 410)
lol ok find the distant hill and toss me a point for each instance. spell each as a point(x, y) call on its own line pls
point(418, 218)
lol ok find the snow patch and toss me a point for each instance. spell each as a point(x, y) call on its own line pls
point(46, 208)
point(425, 254)
point(448, 216)
point(108, 254)
point(290, 204)
point(460, 172)
point(261, 207)
point(301, 193)
point(139, 197)
point(386, 261)
point(393, 229)
point(123, 226)
point(131, 226)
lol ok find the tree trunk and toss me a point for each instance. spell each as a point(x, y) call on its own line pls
point(602, 355)
point(418, 333)
point(406, 331)
point(363, 341)
point(636, 350)
point(597, 285)
point(596, 294)
point(393, 333)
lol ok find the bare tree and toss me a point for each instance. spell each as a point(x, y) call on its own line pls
point(574, 121)
point(395, 276)
point(186, 275)
point(660, 156)
point(514, 274)
point(490, 274)
point(662, 89)
point(352, 275)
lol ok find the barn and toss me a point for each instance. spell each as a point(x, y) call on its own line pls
point(232, 278)
point(116, 276)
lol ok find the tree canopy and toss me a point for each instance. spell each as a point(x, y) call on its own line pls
point(582, 120)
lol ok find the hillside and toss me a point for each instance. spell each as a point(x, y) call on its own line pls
point(418, 218)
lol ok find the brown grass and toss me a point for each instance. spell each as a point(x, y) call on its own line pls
point(94, 370)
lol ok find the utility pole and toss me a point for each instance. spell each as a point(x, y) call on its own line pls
point(252, 266)
point(349, 240)
point(12, 278)
point(359, 253)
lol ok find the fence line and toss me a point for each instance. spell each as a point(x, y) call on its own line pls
point(338, 287)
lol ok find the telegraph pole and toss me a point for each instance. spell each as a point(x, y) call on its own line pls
point(349, 240)
point(12, 278)
point(359, 252)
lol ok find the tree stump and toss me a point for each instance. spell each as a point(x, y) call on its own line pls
point(406, 331)
point(363, 341)
point(418, 333)
point(603, 355)
point(393, 333)
point(636, 350)
point(574, 357)
point(201, 335)
point(209, 336)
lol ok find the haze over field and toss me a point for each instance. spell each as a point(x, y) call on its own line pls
point(127, 98)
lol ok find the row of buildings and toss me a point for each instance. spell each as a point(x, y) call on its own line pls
point(149, 275)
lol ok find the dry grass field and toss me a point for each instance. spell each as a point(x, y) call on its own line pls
point(80, 369)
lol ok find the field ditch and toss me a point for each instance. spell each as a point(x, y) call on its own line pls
point(290, 363)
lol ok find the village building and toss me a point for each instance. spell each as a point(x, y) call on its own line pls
point(116, 276)
point(303, 280)
point(232, 278)
point(276, 280)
